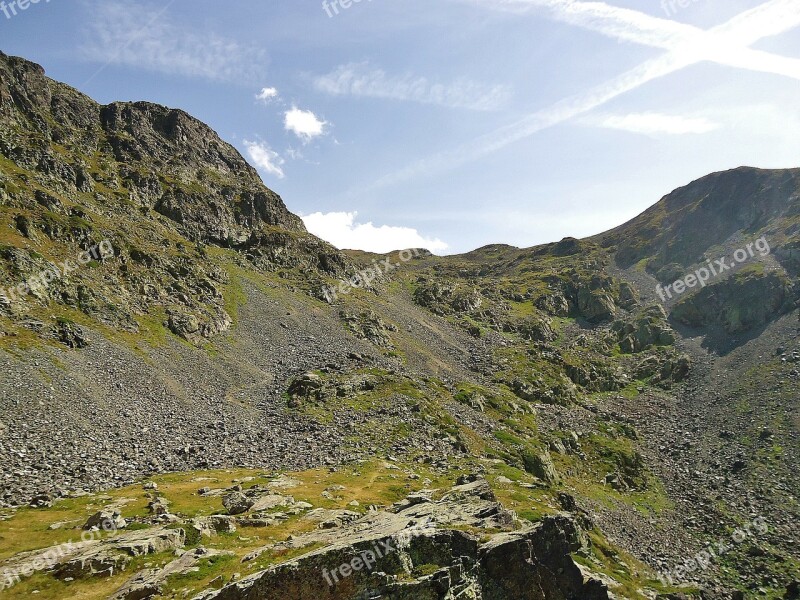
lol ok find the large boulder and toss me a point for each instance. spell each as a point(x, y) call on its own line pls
point(537, 565)
point(237, 503)
point(541, 465)
point(105, 520)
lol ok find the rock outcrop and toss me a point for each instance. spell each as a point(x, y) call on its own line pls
point(410, 553)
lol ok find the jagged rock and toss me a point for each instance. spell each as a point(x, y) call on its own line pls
point(675, 369)
point(155, 159)
point(70, 335)
point(184, 325)
point(534, 564)
point(647, 330)
point(664, 370)
point(237, 503)
point(541, 466)
point(748, 299)
point(444, 299)
point(211, 526)
point(555, 304)
point(41, 500)
point(106, 520)
point(539, 391)
point(369, 326)
point(628, 297)
point(150, 582)
point(270, 501)
point(97, 562)
point(596, 305)
point(105, 558)
point(470, 486)
point(595, 377)
point(534, 330)
point(148, 541)
point(165, 188)
point(307, 386)
point(569, 246)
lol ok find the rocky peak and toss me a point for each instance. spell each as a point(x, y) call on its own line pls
point(709, 212)
point(168, 160)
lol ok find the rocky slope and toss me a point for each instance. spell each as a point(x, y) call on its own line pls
point(163, 313)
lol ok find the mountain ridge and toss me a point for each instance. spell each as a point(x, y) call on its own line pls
point(199, 373)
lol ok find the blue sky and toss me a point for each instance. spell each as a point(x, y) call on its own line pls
point(449, 124)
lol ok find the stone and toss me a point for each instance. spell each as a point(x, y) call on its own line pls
point(236, 503)
point(106, 520)
point(150, 582)
point(541, 465)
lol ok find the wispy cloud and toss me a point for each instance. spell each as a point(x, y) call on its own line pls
point(267, 95)
point(342, 230)
point(362, 80)
point(558, 113)
point(655, 123)
point(122, 33)
point(726, 44)
point(264, 158)
point(304, 124)
point(633, 26)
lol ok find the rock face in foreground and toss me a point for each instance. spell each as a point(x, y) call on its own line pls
point(401, 555)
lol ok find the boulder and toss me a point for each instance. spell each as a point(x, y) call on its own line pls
point(541, 465)
point(105, 558)
point(106, 520)
point(150, 582)
point(237, 503)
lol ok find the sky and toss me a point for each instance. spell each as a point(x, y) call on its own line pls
point(449, 124)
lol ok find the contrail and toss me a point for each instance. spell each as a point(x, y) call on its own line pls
point(726, 44)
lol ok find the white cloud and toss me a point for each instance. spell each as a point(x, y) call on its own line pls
point(294, 154)
point(303, 123)
point(654, 123)
point(359, 79)
point(142, 36)
point(267, 94)
point(726, 44)
point(341, 230)
point(265, 158)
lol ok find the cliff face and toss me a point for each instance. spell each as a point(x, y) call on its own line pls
point(165, 159)
point(155, 183)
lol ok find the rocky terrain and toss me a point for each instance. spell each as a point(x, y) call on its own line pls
point(517, 423)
